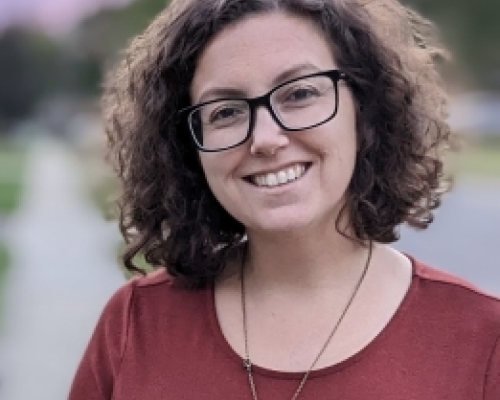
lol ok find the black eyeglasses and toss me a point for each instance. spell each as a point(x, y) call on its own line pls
point(299, 104)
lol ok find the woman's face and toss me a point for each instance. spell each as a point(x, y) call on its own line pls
point(248, 59)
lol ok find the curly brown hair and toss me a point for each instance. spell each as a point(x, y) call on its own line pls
point(167, 211)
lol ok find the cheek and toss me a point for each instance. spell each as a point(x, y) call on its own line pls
point(216, 170)
point(210, 170)
point(209, 161)
point(338, 141)
point(219, 184)
point(222, 166)
point(344, 133)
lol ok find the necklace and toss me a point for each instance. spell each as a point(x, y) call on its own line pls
point(247, 363)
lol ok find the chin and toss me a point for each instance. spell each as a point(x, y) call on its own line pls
point(279, 224)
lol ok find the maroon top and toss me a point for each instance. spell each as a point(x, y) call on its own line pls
point(157, 342)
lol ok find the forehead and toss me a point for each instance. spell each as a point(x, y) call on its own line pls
point(251, 53)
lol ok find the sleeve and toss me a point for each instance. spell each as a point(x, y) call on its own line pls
point(100, 365)
point(492, 381)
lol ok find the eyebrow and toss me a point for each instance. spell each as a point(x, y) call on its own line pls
point(227, 92)
point(295, 72)
point(221, 93)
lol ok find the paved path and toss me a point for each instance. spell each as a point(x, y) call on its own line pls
point(63, 271)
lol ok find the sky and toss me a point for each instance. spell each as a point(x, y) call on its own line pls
point(53, 16)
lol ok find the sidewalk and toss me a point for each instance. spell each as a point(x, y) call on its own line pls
point(63, 271)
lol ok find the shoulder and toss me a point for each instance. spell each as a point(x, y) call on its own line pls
point(447, 280)
point(445, 292)
point(116, 312)
point(459, 322)
point(153, 284)
point(153, 296)
point(123, 297)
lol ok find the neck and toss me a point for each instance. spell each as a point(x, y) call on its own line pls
point(303, 261)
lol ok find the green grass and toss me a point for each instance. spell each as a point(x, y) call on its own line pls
point(479, 161)
point(483, 161)
point(12, 163)
point(10, 193)
point(4, 261)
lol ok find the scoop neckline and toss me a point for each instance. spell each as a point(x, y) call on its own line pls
point(376, 343)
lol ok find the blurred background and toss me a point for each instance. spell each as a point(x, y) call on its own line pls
point(58, 252)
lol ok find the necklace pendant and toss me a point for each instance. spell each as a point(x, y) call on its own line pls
point(247, 364)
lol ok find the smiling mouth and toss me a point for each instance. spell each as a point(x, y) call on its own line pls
point(279, 178)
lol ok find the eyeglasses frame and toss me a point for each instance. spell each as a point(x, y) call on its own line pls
point(265, 100)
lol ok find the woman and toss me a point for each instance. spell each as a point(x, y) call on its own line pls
point(268, 151)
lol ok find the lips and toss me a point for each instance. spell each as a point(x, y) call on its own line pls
point(280, 177)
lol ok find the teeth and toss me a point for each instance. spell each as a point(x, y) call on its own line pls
point(281, 177)
point(299, 170)
point(271, 179)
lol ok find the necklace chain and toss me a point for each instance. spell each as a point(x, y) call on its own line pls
point(247, 363)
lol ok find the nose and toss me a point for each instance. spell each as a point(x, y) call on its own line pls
point(267, 136)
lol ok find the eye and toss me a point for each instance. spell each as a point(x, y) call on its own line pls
point(302, 93)
point(226, 112)
point(299, 95)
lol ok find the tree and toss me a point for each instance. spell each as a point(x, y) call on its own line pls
point(28, 69)
point(34, 67)
point(472, 30)
point(102, 35)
